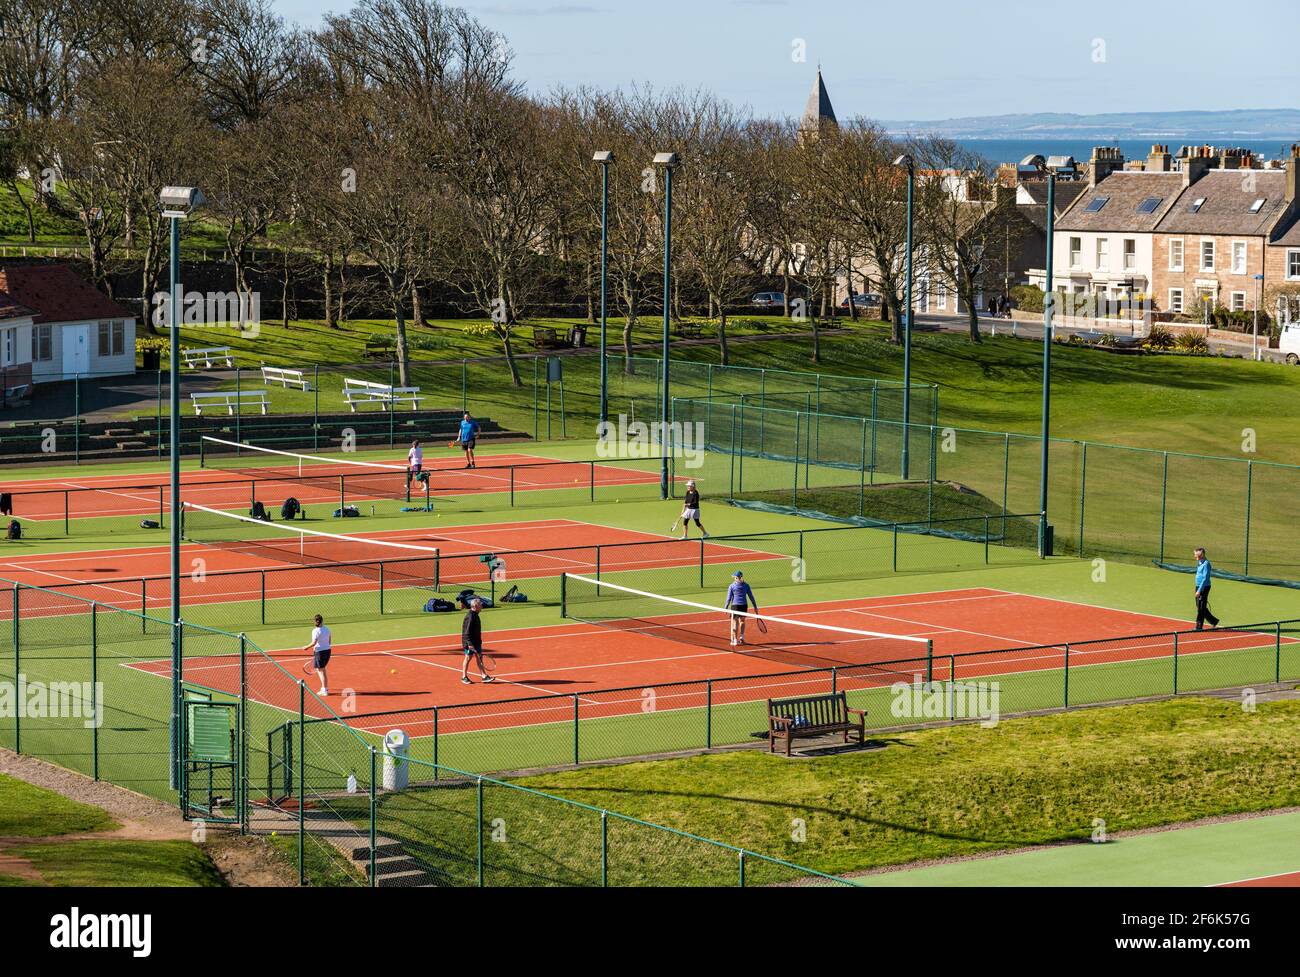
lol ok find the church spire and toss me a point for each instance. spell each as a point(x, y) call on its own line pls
point(818, 115)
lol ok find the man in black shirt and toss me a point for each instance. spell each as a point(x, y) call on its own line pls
point(471, 639)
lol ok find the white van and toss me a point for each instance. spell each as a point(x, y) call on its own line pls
point(1288, 343)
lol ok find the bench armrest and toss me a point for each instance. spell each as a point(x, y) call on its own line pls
point(857, 712)
point(779, 721)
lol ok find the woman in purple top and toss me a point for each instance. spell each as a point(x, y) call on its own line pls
point(739, 596)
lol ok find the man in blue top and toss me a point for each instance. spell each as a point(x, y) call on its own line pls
point(739, 596)
point(1203, 571)
point(468, 432)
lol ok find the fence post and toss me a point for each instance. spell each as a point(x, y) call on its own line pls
point(162, 521)
point(1277, 652)
point(464, 385)
point(381, 587)
point(435, 743)
point(794, 491)
point(701, 561)
point(302, 782)
point(94, 698)
point(591, 478)
point(18, 729)
point(895, 547)
point(480, 832)
point(262, 593)
point(1006, 469)
point(986, 540)
point(1175, 663)
point(373, 810)
point(742, 868)
point(158, 423)
point(575, 730)
point(144, 605)
point(731, 485)
point(1067, 676)
point(315, 408)
point(862, 473)
point(1164, 494)
point(76, 419)
point(604, 849)
point(238, 412)
point(708, 713)
point(1083, 493)
point(1250, 468)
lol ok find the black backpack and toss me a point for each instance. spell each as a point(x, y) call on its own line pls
point(290, 509)
point(259, 511)
point(15, 530)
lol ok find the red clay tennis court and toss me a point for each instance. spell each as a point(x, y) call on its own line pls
point(129, 495)
point(581, 660)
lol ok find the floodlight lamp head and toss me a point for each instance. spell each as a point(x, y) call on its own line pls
point(180, 201)
point(904, 160)
point(666, 159)
point(603, 156)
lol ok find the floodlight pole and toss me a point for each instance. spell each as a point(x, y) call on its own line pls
point(907, 324)
point(174, 525)
point(1048, 296)
point(604, 267)
point(667, 161)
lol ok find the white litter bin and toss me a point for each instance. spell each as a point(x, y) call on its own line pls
point(396, 769)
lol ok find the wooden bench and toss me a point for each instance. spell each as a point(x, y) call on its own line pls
point(368, 392)
point(811, 716)
point(380, 350)
point(544, 337)
point(688, 330)
point(232, 400)
point(194, 358)
point(295, 378)
point(17, 392)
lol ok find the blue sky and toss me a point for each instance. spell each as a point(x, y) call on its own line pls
point(932, 59)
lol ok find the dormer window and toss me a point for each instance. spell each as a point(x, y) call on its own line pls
point(1257, 205)
point(1149, 205)
point(1196, 205)
point(1095, 204)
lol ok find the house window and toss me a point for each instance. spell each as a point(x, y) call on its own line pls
point(1130, 254)
point(941, 297)
point(9, 347)
point(42, 344)
point(1207, 255)
point(1176, 254)
point(1175, 300)
point(1238, 302)
point(112, 336)
point(1293, 265)
point(1076, 251)
point(1239, 257)
point(1103, 253)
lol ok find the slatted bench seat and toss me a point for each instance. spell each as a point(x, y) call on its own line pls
point(207, 358)
point(289, 378)
point(808, 717)
point(232, 400)
point(387, 397)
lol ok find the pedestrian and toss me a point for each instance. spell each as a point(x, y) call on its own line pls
point(1203, 572)
point(691, 510)
point(471, 639)
point(739, 596)
point(321, 648)
point(469, 430)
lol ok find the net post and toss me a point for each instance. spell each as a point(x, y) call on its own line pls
point(381, 587)
point(835, 680)
point(162, 521)
point(929, 660)
point(1066, 697)
point(597, 569)
point(564, 603)
point(342, 496)
point(701, 560)
point(374, 805)
point(591, 476)
point(203, 462)
point(708, 714)
point(94, 677)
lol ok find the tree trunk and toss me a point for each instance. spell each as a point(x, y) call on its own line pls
point(785, 294)
point(510, 359)
point(403, 353)
point(723, 356)
point(899, 312)
point(816, 343)
point(343, 287)
point(417, 310)
point(284, 293)
point(331, 320)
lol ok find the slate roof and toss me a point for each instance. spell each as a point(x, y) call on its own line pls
point(1229, 195)
point(1126, 189)
point(58, 294)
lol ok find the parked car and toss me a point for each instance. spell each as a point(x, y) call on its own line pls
point(767, 300)
point(1289, 342)
point(861, 300)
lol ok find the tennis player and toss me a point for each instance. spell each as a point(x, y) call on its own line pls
point(691, 510)
point(415, 459)
point(739, 596)
point(468, 435)
point(322, 643)
point(471, 639)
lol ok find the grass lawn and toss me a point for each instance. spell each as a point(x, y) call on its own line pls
point(964, 790)
point(33, 812)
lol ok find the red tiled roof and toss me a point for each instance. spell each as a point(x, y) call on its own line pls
point(9, 309)
point(58, 294)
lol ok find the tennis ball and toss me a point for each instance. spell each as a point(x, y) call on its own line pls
point(392, 671)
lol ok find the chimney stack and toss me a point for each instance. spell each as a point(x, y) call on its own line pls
point(1105, 160)
point(1159, 161)
point(1197, 163)
point(1293, 164)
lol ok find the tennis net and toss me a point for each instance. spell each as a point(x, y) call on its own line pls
point(376, 560)
point(782, 639)
point(276, 473)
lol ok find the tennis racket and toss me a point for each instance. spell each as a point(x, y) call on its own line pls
point(761, 625)
point(453, 444)
point(309, 666)
point(489, 663)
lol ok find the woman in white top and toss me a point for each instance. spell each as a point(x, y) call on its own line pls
point(415, 458)
point(322, 643)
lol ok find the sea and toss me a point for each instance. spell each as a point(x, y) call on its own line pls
point(1014, 150)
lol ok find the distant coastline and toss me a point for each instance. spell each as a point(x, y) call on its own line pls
point(1013, 150)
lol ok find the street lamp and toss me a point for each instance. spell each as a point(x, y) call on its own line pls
point(1044, 542)
point(604, 157)
point(667, 162)
point(178, 203)
point(907, 161)
point(1254, 338)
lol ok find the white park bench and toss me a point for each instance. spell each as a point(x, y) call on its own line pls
point(366, 392)
point(232, 400)
point(289, 378)
point(194, 358)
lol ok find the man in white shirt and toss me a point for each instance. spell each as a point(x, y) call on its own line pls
point(321, 644)
point(415, 458)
